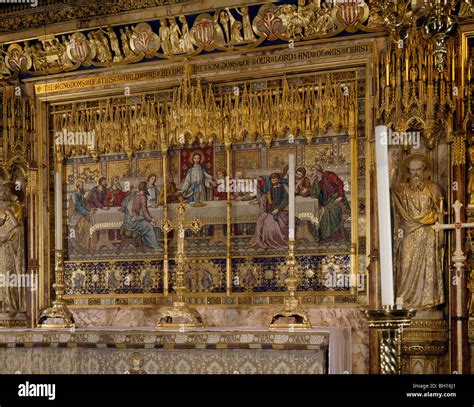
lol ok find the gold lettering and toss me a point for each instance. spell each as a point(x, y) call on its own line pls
point(202, 68)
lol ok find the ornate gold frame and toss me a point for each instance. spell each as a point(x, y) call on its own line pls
point(360, 54)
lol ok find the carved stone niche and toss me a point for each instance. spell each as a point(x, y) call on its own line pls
point(425, 344)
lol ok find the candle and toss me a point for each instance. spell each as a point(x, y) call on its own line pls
point(453, 69)
point(383, 203)
point(59, 211)
point(291, 192)
point(407, 66)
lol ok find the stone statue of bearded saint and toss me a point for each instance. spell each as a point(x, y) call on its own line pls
point(417, 200)
point(12, 261)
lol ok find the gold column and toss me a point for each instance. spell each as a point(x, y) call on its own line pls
point(354, 196)
point(32, 227)
point(229, 225)
point(164, 160)
point(43, 199)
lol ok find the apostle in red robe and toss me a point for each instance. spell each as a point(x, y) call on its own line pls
point(328, 188)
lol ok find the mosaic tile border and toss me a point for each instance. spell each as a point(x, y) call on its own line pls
point(219, 300)
point(207, 339)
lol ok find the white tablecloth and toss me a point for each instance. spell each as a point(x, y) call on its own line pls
point(214, 213)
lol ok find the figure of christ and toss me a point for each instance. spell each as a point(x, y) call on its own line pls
point(272, 224)
point(137, 216)
point(197, 180)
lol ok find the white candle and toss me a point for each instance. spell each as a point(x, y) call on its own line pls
point(59, 211)
point(291, 193)
point(385, 227)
